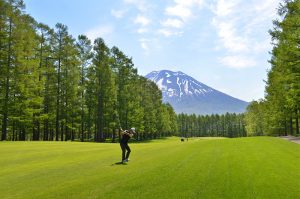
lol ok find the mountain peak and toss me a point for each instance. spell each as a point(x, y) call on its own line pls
point(188, 95)
point(178, 85)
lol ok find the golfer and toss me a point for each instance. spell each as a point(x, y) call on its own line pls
point(126, 135)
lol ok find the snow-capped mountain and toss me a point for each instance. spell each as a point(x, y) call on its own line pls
point(188, 95)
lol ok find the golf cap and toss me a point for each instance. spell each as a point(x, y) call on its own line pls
point(133, 129)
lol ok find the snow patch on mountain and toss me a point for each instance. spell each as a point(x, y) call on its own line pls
point(188, 95)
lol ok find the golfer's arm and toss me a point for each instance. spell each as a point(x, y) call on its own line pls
point(125, 132)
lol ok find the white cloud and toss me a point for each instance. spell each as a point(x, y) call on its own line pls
point(179, 11)
point(190, 2)
point(183, 8)
point(178, 14)
point(224, 8)
point(237, 61)
point(229, 37)
point(144, 44)
point(142, 20)
point(141, 5)
point(168, 32)
point(174, 23)
point(149, 45)
point(118, 13)
point(242, 29)
point(100, 31)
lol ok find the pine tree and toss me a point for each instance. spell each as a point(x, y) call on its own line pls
point(47, 74)
point(68, 74)
point(85, 55)
point(103, 88)
point(283, 88)
point(12, 12)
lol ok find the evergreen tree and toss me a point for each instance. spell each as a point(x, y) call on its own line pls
point(283, 90)
point(85, 55)
point(12, 10)
point(103, 92)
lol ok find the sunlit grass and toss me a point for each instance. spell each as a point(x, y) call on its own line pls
point(260, 167)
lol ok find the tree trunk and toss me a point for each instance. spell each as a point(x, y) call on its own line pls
point(58, 94)
point(89, 124)
point(13, 131)
point(286, 127)
point(51, 133)
point(61, 132)
point(5, 108)
point(297, 123)
point(82, 104)
point(291, 125)
point(46, 130)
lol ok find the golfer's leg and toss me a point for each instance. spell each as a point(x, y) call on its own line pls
point(128, 151)
point(123, 150)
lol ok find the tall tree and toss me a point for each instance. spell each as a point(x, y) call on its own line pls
point(283, 90)
point(12, 12)
point(104, 90)
point(85, 55)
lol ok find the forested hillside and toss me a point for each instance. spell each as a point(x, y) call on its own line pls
point(57, 87)
point(278, 113)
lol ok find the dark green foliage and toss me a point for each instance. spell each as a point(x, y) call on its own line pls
point(279, 113)
point(53, 87)
point(228, 125)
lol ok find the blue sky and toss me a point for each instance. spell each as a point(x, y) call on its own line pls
point(222, 43)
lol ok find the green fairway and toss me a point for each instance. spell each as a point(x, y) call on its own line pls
point(260, 167)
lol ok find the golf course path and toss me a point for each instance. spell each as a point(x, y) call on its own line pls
point(291, 138)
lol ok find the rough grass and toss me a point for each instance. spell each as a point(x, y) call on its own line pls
point(259, 167)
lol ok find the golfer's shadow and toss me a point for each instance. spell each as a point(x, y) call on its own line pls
point(119, 163)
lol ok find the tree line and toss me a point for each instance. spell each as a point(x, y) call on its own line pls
point(215, 125)
point(278, 113)
point(57, 87)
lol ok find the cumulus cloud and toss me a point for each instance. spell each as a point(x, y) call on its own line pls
point(238, 61)
point(183, 8)
point(142, 20)
point(141, 5)
point(229, 37)
point(224, 8)
point(167, 32)
point(175, 23)
point(179, 11)
point(241, 29)
point(178, 15)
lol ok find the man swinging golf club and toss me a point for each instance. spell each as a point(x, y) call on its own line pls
point(126, 135)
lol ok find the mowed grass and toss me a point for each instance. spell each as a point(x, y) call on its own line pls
point(258, 167)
